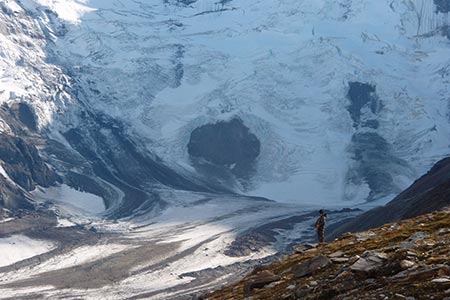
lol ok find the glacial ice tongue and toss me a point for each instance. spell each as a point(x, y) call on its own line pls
point(285, 68)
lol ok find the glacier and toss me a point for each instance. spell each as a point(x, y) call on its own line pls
point(347, 102)
point(166, 68)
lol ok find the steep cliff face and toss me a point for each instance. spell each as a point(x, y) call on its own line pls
point(22, 169)
point(429, 193)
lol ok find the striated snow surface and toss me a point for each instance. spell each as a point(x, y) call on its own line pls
point(284, 67)
point(164, 68)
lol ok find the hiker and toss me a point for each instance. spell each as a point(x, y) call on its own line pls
point(320, 225)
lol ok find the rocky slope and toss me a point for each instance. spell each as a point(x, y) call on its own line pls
point(21, 170)
point(404, 260)
point(429, 193)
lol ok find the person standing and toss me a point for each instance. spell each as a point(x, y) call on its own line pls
point(320, 225)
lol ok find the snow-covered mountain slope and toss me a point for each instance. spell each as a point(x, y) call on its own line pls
point(348, 99)
point(313, 102)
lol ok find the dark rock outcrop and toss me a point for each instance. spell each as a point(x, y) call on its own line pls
point(442, 6)
point(375, 164)
point(375, 160)
point(259, 280)
point(23, 164)
point(23, 113)
point(429, 193)
point(362, 95)
point(25, 169)
point(311, 266)
point(369, 261)
point(12, 197)
point(229, 145)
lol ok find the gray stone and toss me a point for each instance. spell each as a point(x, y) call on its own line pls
point(411, 254)
point(444, 231)
point(441, 280)
point(304, 247)
point(291, 287)
point(407, 264)
point(369, 262)
point(259, 280)
point(313, 283)
point(340, 260)
point(407, 245)
point(311, 266)
point(364, 236)
point(336, 254)
point(418, 236)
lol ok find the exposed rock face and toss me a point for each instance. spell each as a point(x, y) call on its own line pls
point(24, 167)
point(186, 2)
point(442, 6)
point(429, 193)
point(23, 164)
point(11, 197)
point(375, 162)
point(19, 117)
point(361, 96)
point(226, 144)
point(24, 114)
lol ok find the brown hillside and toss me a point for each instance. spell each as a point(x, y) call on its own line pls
point(406, 260)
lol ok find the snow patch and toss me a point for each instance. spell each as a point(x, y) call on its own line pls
point(68, 10)
point(19, 247)
point(71, 199)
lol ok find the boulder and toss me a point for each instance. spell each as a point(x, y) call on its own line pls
point(340, 260)
point(304, 247)
point(338, 253)
point(407, 245)
point(418, 236)
point(259, 280)
point(369, 261)
point(311, 266)
point(441, 280)
point(407, 264)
